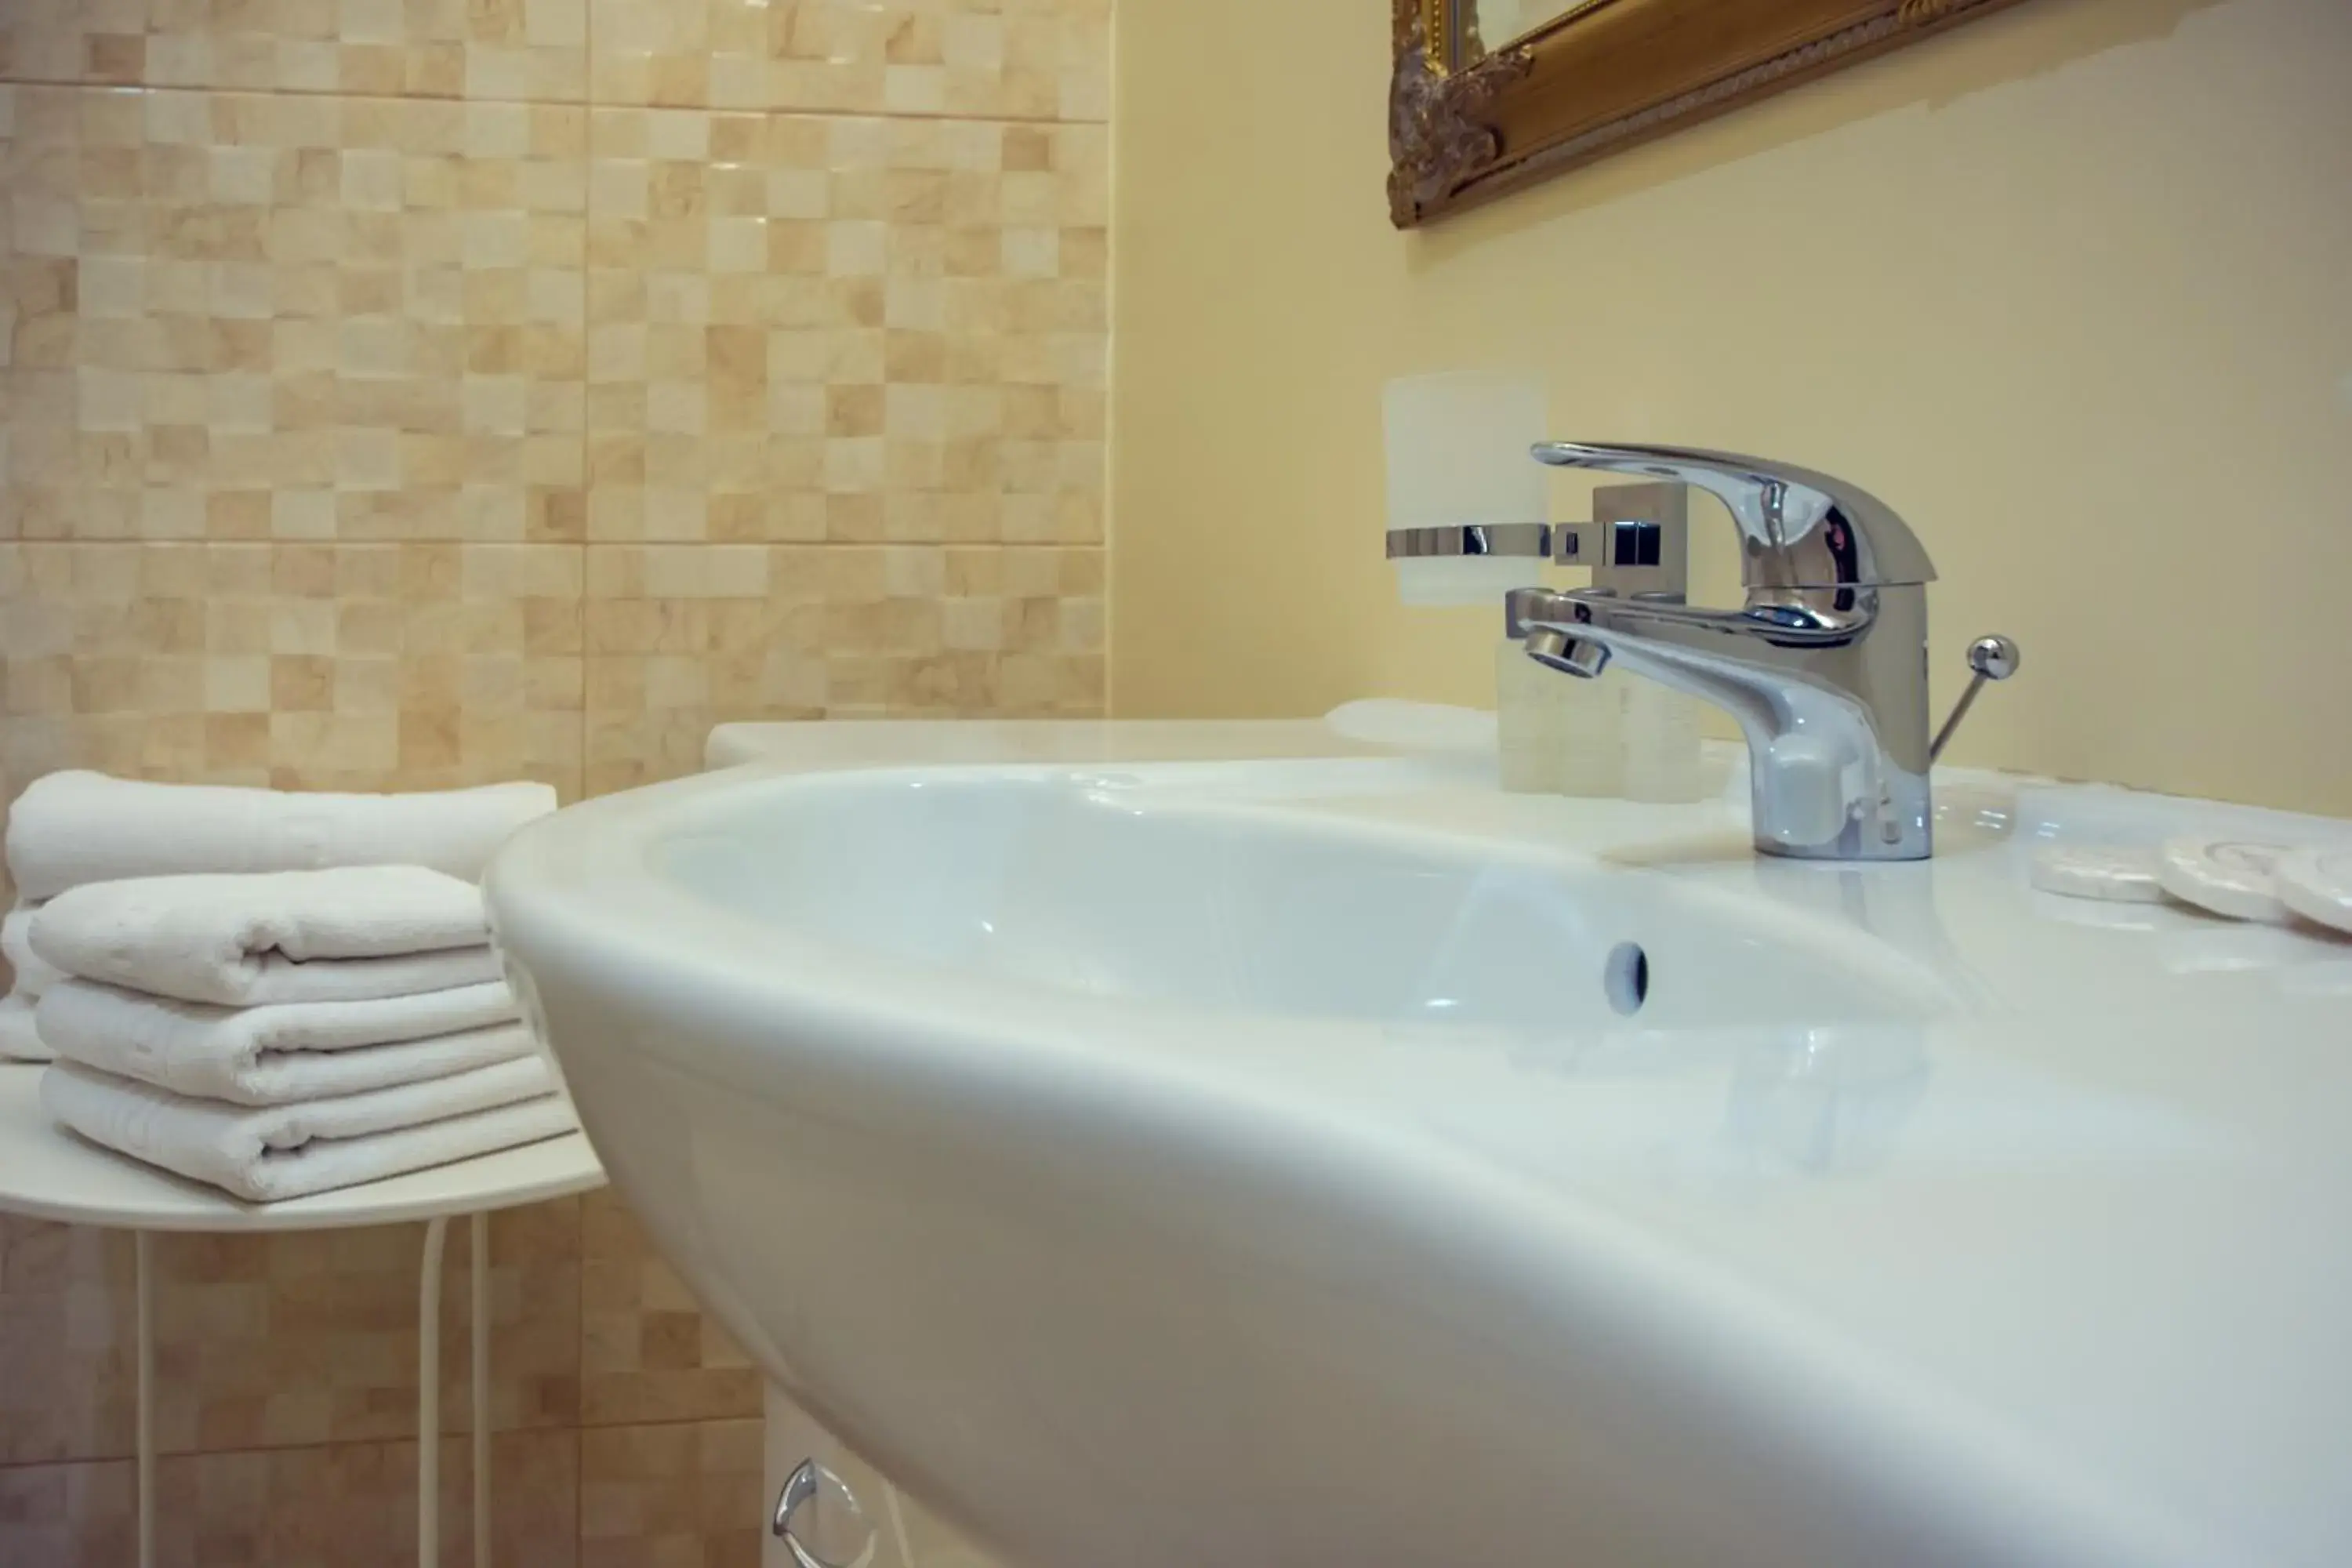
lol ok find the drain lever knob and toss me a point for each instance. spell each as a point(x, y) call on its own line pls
point(1993, 658)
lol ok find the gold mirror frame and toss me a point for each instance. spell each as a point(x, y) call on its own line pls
point(1466, 125)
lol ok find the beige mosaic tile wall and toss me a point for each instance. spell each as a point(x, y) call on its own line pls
point(404, 392)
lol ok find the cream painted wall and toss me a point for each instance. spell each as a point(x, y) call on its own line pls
point(2070, 286)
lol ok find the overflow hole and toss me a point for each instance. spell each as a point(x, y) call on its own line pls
point(1626, 978)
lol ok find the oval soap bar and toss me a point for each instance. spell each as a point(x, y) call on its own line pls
point(2112, 873)
point(2318, 885)
point(2232, 878)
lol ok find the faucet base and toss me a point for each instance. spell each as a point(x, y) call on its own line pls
point(1898, 827)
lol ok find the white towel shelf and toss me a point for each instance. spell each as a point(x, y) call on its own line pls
point(46, 1172)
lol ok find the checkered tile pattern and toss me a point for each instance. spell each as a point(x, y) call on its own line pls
point(512, 49)
point(1020, 59)
point(352, 1505)
point(401, 393)
point(301, 666)
point(681, 638)
point(248, 316)
point(811, 329)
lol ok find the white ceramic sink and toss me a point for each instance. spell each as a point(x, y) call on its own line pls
point(1308, 1163)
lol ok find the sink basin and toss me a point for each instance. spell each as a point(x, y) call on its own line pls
point(1089, 886)
point(1314, 1161)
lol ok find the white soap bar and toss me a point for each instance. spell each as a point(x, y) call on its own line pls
point(2236, 879)
point(2110, 874)
point(2318, 885)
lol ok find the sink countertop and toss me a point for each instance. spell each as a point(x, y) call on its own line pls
point(2078, 1238)
point(1367, 729)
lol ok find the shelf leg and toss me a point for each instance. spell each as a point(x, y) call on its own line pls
point(480, 1243)
point(428, 1397)
point(143, 1290)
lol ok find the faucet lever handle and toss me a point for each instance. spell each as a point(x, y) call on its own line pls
point(1799, 528)
point(1994, 657)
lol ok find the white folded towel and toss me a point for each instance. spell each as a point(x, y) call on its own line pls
point(292, 1150)
point(344, 935)
point(270, 1054)
point(68, 828)
point(20, 1039)
point(34, 975)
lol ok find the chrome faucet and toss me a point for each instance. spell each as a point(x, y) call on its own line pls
point(1824, 668)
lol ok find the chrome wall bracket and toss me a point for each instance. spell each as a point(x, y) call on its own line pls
point(1638, 543)
point(1511, 541)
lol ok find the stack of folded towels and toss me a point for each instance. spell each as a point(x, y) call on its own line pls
point(275, 994)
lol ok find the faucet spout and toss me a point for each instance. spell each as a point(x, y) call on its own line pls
point(1828, 779)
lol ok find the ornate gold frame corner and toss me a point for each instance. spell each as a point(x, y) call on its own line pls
point(1605, 76)
point(1442, 132)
